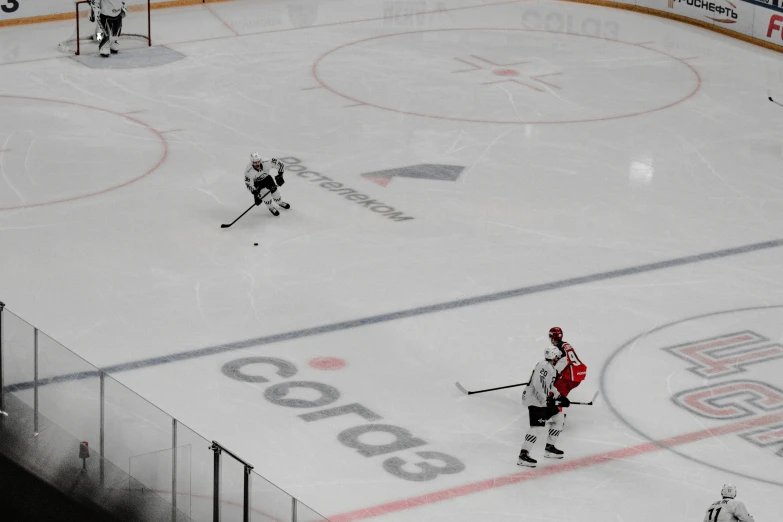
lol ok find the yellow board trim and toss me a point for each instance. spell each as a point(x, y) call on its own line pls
point(681, 18)
point(72, 15)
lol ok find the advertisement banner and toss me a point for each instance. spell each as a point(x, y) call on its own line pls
point(768, 25)
point(714, 12)
point(51, 10)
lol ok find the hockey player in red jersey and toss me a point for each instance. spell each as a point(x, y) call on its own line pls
point(571, 371)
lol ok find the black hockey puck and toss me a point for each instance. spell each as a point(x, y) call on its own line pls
point(255, 244)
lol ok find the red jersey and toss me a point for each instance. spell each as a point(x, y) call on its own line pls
point(570, 367)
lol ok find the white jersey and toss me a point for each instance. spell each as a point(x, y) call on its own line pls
point(109, 7)
point(269, 167)
point(541, 385)
point(727, 510)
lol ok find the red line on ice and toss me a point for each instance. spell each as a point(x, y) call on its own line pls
point(563, 467)
point(226, 24)
point(324, 84)
point(164, 152)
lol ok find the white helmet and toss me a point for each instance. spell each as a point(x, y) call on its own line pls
point(728, 491)
point(551, 353)
point(255, 157)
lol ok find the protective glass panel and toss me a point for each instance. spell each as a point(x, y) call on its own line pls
point(201, 472)
point(164, 472)
point(232, 489)
point(268, 502)
point(132, 426)
point(69, 391)
point(18, 356)
point(305, 514)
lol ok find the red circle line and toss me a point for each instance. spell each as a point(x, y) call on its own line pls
point(109, 189)
point(469, 120)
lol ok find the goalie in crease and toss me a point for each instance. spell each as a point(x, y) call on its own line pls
point(109, 15)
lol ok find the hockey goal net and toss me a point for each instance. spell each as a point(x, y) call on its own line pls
point(135, 28)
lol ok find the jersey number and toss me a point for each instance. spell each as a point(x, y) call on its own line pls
point(713, 517)
point(574, 360)
point(544, 377)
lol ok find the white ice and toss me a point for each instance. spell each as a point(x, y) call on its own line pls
point(626, 140)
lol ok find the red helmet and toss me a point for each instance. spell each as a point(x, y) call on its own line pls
point(556, 333)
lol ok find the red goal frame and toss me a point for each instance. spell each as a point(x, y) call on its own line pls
point(147, 37)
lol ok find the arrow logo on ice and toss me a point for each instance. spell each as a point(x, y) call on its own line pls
point(423, 171)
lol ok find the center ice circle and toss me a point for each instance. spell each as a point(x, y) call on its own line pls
point(58, 151)
point(707, 389)
point(516, 76)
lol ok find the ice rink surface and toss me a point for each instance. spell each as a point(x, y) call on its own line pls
point(622, 180)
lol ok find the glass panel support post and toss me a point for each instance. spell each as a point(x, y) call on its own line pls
point(246, 503)
point(215, 447)
point(173, 470)
point(103, 424)
point(35, 382)
point(2, 383)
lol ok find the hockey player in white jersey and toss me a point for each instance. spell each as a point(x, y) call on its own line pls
point(728, 509)
point(109, 14)
point(260, 183)
point(542, 400)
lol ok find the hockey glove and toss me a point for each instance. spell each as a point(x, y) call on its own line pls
point(563, 401)
point(550, 401)
point(279, 179)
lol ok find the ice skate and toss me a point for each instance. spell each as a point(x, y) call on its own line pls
point(551, 452)
point(284, 205)
point(274, 211)
point(526, 460)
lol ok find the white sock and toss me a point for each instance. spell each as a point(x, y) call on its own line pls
point(555, 427)
point(531, 437)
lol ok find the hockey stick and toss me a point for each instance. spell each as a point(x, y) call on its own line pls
point(773, 101)
point(466, 392)
point(587, 403)
point(243, 213)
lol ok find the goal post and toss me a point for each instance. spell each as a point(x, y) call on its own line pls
point(136, 28)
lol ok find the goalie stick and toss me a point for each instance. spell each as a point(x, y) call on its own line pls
point(242, 214)
point(466, 392)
